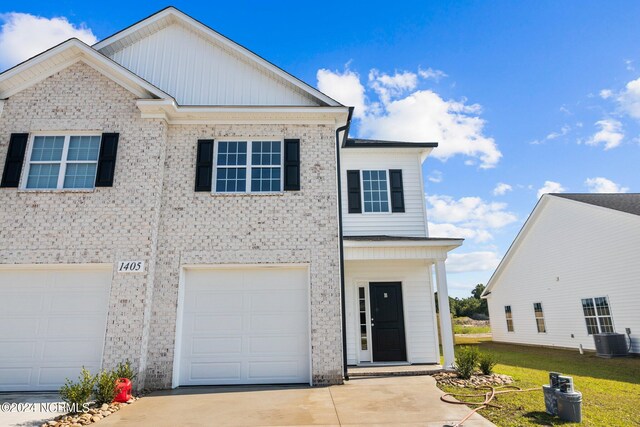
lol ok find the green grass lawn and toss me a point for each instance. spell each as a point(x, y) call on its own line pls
point(468, 329)
point(610, 387)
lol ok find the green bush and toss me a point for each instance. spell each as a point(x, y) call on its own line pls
point(466, 361)
point(105, 389)
point(124, 370)
point(76, 394)
point(486, 363)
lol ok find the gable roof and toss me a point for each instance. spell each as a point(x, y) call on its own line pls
point(623, 202)
point(59, 57)
point(202, 44)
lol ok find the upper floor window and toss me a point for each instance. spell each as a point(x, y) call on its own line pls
point(248, 166)
point(63, 162)
point(509, 317)
point(597, 315)
point(537, 309)
point(375, 190)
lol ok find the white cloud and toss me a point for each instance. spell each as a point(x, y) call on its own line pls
point(565, 129)
point(606, 93)
point(610, 133)
point(501, 189)
point(604, 185)
point(430, 73)
point(629, 99)
point(404, 112)
point(344, 88)
point(435, 176)
point(450, 230)
point(468, 217)
point(23, 35)
point(472, 261)
point(551, 187)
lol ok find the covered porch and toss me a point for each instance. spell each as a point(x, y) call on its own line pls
point(389, 301)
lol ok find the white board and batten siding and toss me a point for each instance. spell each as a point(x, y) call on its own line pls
point(196, 71)
point(417, 298)
point(571, 251)
point(52, 323)
point(412, 222)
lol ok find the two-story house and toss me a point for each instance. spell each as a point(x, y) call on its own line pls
point(170, 198)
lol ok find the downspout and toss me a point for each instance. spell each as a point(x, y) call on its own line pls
point(344, 128)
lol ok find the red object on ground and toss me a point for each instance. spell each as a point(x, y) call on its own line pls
point(123, 390)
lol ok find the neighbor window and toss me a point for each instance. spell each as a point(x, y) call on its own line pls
point(63, 161)
point(258, 163)
point(537, 309)
point(375, 191)
point(509, 317)
point(597, 315)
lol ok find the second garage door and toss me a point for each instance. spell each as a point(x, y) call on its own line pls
point(245, 326)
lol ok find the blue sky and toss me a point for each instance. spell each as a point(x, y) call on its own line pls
point(532, 95)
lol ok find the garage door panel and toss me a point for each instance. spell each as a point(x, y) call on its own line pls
point(55, 324)
point(212, 346)
point(245, 327)
point(274, 345)
point(223, 302)
point(225, 324)
point(215, 371)
point(16, 351)
point(15, 378)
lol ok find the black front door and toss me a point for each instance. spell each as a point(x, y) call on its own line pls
point(387, 322)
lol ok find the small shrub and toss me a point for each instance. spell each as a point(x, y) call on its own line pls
point(77, 394)
point(124, 370)
point(105, 389)
point(486, 363)
point(466, 361)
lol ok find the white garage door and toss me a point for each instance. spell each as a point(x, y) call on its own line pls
point(52, 322)
point(246, 326)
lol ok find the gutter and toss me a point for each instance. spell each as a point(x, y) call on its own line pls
point(344, 128)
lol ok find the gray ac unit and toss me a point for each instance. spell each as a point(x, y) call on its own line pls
point(611, 345)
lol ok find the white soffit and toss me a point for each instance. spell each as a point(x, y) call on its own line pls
point(62, 56)
point(199, 66)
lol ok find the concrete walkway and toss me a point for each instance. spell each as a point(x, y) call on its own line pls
point(398, 401)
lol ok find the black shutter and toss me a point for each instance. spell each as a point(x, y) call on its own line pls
point(397, 191)
point(107, 159)
point(204, 165)
point(14, 160)
point(353, 191)
point(291, 165)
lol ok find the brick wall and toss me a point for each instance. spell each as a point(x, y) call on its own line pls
point(152, 213)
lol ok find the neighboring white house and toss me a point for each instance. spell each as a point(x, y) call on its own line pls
point(572, 271)
point(170, 198)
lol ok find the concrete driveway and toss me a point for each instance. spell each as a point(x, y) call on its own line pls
point(29, 409)
point(405, 401)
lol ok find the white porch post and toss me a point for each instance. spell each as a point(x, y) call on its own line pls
point(445, 315)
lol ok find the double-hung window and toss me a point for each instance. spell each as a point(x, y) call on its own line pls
point(63, 162)
point(597, 315)
point(375, 191)
point(537, 310)
point(509, 316)
point(248, 167)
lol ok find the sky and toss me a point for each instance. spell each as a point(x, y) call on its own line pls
point(525, 98)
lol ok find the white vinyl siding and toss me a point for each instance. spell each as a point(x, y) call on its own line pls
point(417, 297)
point(412, 222)
point(572, 251)
point(198, 72)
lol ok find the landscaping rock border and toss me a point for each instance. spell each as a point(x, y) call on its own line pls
point(93, 415)
point(476, 380)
